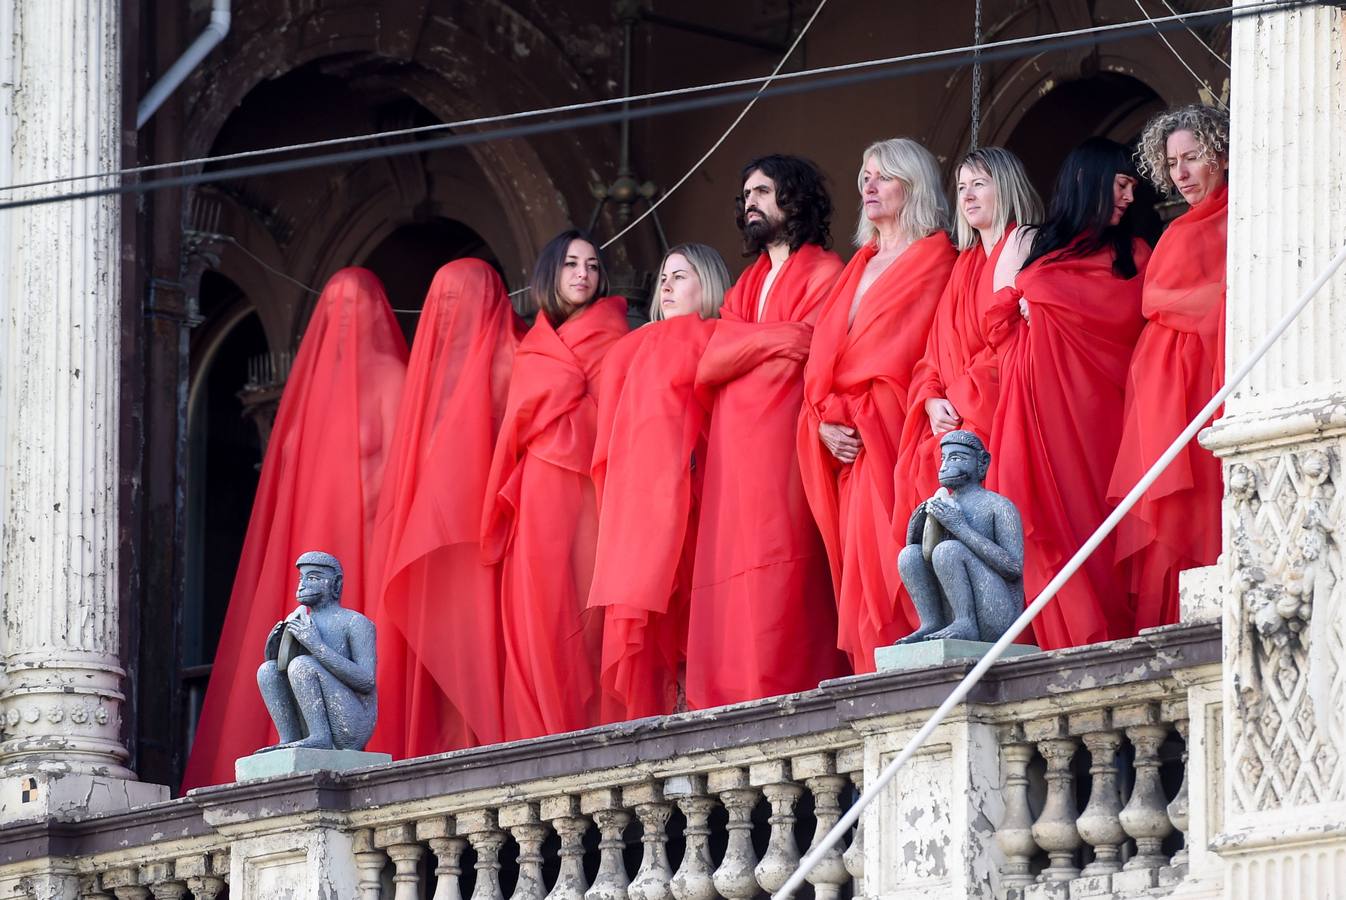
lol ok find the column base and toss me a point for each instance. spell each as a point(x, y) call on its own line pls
point(33, 795)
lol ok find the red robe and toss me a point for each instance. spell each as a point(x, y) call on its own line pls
point(540, 523)
point(959, 366)
point(439, 637)
point(648, 461)
point(860, 376)
point(1177, 367)
point(762, 619)
point(1057, 427)
point(318, 491)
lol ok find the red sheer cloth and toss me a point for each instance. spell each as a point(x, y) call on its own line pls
point(1057, 428)
point(762, 619)
point(1177, 366)
point(959, 366)
point(318, 491)
point(540, 523)
point(439, 633)
point(860, 375)
point(648, 462)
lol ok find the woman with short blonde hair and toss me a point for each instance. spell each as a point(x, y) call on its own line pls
point(706, 279)
point(926, 210)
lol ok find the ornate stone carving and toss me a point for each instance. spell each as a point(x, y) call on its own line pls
point(1284, 631)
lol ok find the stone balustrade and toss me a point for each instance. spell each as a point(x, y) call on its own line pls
point(1056, 779)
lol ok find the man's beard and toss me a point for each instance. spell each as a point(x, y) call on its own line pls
point(758, 234)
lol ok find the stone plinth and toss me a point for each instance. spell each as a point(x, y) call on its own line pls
point(297, 760)
point(935, 653)
point(68, 795)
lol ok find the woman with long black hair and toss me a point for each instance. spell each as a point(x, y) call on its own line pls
point(1065, 319)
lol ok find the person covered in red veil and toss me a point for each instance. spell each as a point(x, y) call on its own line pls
point(1178, 365)
point(648, 460)
point(319, 490)
point(870, 334)
point(439, 649)
point(539, 522)
point(762, 619)
point(1065, 323)
point(957, 382)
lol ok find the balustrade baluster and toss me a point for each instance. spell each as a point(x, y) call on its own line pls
point(570, 826)
point(1055, 829)
point(125, 884)
point(1100, 824)
point(1015, 835)
point(526, 826)
point(438, 832)
point(782, 851)
point(734, 879)
point(852, 762)
point(606, 809)
point(1145, 817)
point(652, 881)
point(819, 773)
point(203, 874)
point(1178, 810)
point(91, 888)
point(694, 878)
point(399, 842)
point(484, 834)
point(369, 862)
point(162, 881)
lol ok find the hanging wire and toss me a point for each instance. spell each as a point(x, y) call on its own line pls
point(716, 146)
point(988, 51)
point(1215, 97)
point(975, 127)
point(1220, 59)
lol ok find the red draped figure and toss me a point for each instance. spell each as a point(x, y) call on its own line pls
point(870, 334)
point(1065, 325)
point(318, 490)
point(439, 648)
point(648, 461)
point(540, 518)
point(762, 618)
point(1177, 367)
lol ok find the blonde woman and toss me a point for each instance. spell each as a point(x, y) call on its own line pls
point(647, 464)
point(870, 335)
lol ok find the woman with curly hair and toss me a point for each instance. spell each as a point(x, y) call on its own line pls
point(761, 619)
point(870, 335)
point(1064, 324)
point(1178, 365)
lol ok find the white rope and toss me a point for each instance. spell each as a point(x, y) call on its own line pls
point(1246, 9)
point(716, 146)
point(1224, 62)
point(814, 856)
point(1199, 80)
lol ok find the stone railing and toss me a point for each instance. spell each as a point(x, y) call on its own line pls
point(713, 804)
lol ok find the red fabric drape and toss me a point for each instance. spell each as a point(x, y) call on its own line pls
point(762, 619)
point(1177, 366)
point(860, 376)
point(1057, 427)
point(540, 523)
point(648, 462)
point(318, 491)
point(959, 366)
point(439, 635)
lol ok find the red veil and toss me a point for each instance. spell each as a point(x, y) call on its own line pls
point(860, 376)
point(539, 522)
point(1177, 366)
point(318, 491)
point(439, 634)
point(648, 462)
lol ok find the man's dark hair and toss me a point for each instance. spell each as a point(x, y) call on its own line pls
point(801, 194)
point(1082, 207)
point(546, 273)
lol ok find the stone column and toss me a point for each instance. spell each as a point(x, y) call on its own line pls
point(1282, 441)
point(61, 706)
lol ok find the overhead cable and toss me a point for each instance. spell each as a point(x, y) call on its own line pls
point(953, 57)
point(1210, 91)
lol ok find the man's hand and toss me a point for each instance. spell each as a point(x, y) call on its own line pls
point(946, 512)
point(943, 417)
point(842, 441)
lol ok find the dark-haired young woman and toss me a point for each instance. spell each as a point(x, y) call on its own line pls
point(1065, 323)
point(539, 520)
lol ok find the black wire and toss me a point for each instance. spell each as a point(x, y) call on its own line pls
point(901, 70)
